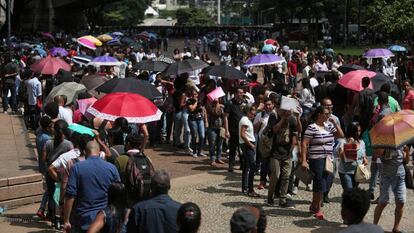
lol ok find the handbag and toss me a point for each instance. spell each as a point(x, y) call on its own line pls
point(329, 166)
point(409, 183)
point(362, 174)
point(306, 176)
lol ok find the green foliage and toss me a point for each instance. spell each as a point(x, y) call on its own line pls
point(125, 12)
point(167, 13)
point(392, 16)
point(193, 17)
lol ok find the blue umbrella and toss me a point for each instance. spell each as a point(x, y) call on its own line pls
point(268, 48)
point(397, 48)
point(105, 61)
point(40, 51)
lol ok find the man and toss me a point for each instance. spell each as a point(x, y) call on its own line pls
point(243, 221)
point(292, 66)
point(158, 214)
point(65, 113)
point(140, 55)
point(132, 145)
point(223, 47)
point(285, 135)
point(10, 72)
point(365, 104)
point(34, 94)
point(355, 205)
point(232, 116)
point(88, 185)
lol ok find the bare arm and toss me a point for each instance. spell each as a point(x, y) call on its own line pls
point(226, 124)
point(144, 130)
point(66, 213)
point(304, 151)
point(98, 223)
point(243, 135)
point(53, 172)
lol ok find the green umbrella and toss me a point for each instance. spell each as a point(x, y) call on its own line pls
point(70, 89)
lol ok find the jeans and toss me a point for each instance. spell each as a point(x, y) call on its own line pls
point(197, 128)
point(347, 181)
point(51, 205)
point(249, 166)
point(233, 145)
point(12, 88)
point(215, 143)
point(279, 170)
point(181, 120)
point(264, 170)
point(293, 180)
point(33, 114)
point(45, 198)
point(375, 172)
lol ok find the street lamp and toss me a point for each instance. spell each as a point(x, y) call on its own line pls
point(218, 12)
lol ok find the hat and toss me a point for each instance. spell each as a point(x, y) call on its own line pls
point(242, 221)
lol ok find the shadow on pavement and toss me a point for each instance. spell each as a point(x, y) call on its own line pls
point(321, 226)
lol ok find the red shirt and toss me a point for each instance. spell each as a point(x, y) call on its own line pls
point(293, 68)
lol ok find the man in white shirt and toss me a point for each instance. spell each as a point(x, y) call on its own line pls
point(65, 114)
point(321, 65)
point(34, 92)
point(390, 69)
point(223, 47)
point(140, 55)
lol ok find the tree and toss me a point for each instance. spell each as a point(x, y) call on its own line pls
point(193, 17)
point(125, 12)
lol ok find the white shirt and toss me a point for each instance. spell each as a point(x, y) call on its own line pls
point(313, 82)
point(64, 158)
point(223, 45)
point(321, 67)
point(264, 116)
point(390, 71)
point(139, 56)
point(34, 90)
point(244, 121)
point(65, 114)
point(363, 228)
point(305, 71)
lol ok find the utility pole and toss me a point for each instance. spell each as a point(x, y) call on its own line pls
point(218, 12)
point(8, 19)
point(346, 23)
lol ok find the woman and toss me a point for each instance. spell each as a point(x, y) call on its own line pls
point(197, 118)
point(113, 218)
point(317, 146)
point(177, 55)
point(188, 218)
point(353, 147)
point(408, 100)
point(248, 145)
point(307, 97)
point(215, 119)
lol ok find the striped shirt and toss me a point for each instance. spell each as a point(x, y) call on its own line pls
point(321, 140)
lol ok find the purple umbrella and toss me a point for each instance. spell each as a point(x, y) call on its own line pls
point(264, 59)
point(57, 51)
point(378, 53)
point(105, 61)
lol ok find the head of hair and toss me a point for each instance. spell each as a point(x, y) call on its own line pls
point(45, 121)
point(92, 148)
point(306, 84)
point(133, 141)
point(92, 69)
point(365, 82)
point(61, 131)
point(52, 110)
point(248, 108)
point(123, 123)
point(261, 218)
point(382, 97)
point(243, 221)
point(188, 218)
point(116, 135)
point(83, 141)
point(75, 139)
point(319, 110)
point(117, 200)
point(160, 182)
point(356, 203)
point(352, 130)
point(386, 87)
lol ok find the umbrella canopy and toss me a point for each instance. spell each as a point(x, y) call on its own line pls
point(164, 59)
point(70, 89)
point(352, 80)
point(349, 67)
point(185, 66)
point(48, 35)
point(268, 48)
point(127, 41)
point(40, 51)
point(104, 37)
point(84, 104)
point(378, 53)
point(264, 59)
point(224, 71)
point(57, 51)
point(380, 79)
point(144, 35)
point(86, 43)
point(397, 48)
point(151, 65)
point(82, 60)
point(114, 42)
point(117, 33)
point(50, 65)
point(64, 76)
point(93, 81)
point(92, 39)
point(24, 45)
point(130, 85)
point(394, 130)
point(105, 61)
point(270, 41)
point(135, 108)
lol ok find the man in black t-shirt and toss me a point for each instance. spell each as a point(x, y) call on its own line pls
point(232, 115)
point(9, 74)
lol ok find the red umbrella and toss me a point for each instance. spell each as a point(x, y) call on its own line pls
point(135, 108)
point(352, 80)
point(270, 41)
point(50, 65)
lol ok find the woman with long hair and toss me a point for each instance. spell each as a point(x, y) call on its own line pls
point(188, 218)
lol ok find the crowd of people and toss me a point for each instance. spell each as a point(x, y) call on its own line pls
point(106, 183)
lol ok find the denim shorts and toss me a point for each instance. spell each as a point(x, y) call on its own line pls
point(396, 184)
point(320, 177)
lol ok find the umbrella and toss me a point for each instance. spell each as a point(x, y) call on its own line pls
point(127, 41)
point(349, 67)
point(82, 60)
point(87, 43)
point(394, 130)
point(144, 35)
point(378, 53)
point(50, 65)
point(352, 80)
point(93, 81)
point(83, 104)
point(105, 61)
point(152, 35)
point(185, 66)
point(40, 51)
point(92, 39)
point(267, 48)
point(70, 89)
point(164, 59)
point(264, 59)
point(25, 45)
point(397, 48)
point(64, 76)
point(135, 108)
point(57, 51)
point(380, 79)
point(270, 41)
point(48, 35)
point(117, 33)
point(224, 71)
point(130, 85)
point(151, 65)
point(104, 37)
point(114, 42)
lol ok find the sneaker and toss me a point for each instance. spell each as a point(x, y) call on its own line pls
point(319, 215)
point(375, 201)
point(287, 205)
point(295, 190)
point(260, 186)
point(213, 164)
point(5, 112)
point(195, 155)
point(41, 213)
point(219, 161)
point(253, 194)
point(202, 154)
point(270, 202)
point(309, 187)
point(288, 196)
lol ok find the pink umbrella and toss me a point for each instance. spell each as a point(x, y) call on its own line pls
point(85, 103)
point(50, 65)
point(87, 43)
point(352, 80)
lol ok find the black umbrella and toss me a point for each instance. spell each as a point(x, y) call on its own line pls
point(131, 85)
point(224, 71)
point(380, 79)
point(151, 65)
point(64, 76)
point(127, 41)
point(185, 66)
point(93, 81)
point(349, 67)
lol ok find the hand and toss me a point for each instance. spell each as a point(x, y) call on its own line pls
point(227, 134)
point(304, 165)
point(332, 121)
point(96, 132)
point(67, 227)
point(365, 161)
point(206, 126)
point(253, 146)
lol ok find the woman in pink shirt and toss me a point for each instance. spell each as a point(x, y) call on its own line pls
point(408, 100)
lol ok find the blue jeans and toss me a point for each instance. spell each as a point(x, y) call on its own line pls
point(12, 88)
point(347, 181)
point(249, 167)
point(197, 128)
point(181, 120)
point(215, 143)
point(375, 172)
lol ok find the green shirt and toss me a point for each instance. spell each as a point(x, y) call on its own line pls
point(395, 107)
point(120, 164)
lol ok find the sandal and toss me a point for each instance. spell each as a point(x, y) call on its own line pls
point(319, 215)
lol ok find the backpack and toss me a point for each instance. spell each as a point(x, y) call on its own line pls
point(138, 173)
point(266, 140)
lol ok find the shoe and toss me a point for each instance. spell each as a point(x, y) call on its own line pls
point(41, 213)
point(260, 186)
point(5, 112)
point(231, 168)
point(319, 215)
point(313, 211)
point(295, 190)
point(253, 194)
point(195, 155)
point(371, 196)
point(270, 202)
point(189, 151)
point(213, 164)
point(219, 161)
point(277, 195)
point(287, 205)
point(288, 196)
point(326, 199)
point(309, 187)
point(375, 201)
point(201, 154)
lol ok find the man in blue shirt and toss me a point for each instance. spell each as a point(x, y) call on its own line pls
point(88, 184)
point(158, 214)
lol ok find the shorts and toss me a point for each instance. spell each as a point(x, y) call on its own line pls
point(320, 177)
point(396, 184)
